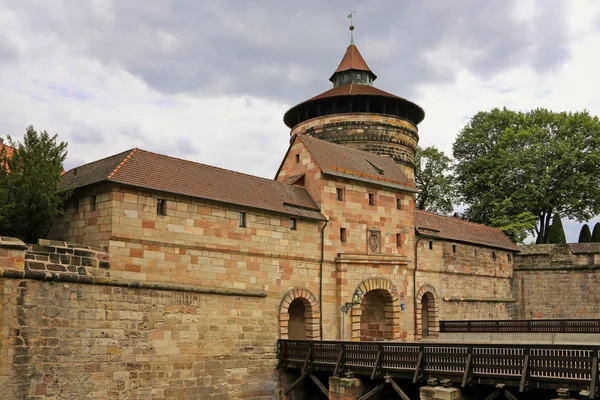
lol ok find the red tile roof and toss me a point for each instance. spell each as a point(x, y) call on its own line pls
point(342, 161)
point(455, 229)
point(353, 89)
point(9, 150)
point(148, 170)
point(352, 60)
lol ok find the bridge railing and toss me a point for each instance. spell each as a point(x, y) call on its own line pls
point(550, 366)
point(522, 326)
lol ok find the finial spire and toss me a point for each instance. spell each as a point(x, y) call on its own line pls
point(351, 28)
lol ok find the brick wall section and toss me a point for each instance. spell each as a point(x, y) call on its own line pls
point(471, 284)
point(63, 257)
point(553, 281)
point(73, 341)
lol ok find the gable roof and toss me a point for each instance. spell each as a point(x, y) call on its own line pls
point(455, 229)
point(352, 60)
point(144, 169)
point(345, 162)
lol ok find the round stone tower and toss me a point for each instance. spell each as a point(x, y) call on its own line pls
point(356, 114)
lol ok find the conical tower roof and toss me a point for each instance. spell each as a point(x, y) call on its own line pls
point(352, 60)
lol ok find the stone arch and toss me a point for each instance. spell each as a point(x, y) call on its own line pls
point(427, 312)
point(387, 292)
point(303, 297)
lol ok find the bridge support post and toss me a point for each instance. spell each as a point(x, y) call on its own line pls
point(341, 388)
point(440, 393)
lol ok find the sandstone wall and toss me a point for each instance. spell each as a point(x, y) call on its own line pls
point(472, 282)
point(557, 281)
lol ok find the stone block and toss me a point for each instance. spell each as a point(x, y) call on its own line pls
point(445, 393)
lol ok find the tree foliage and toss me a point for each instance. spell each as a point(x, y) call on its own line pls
point(514, 226)
point(556, 232)
point(31, 195)
point(432, 177)
point(544, 162)
point(596, 233)
point(585, 235)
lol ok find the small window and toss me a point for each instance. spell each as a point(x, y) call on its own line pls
point(242, 220)
point(79, 205)
point(339, 194)
point(399, 204)
point(475, 252)
point(493, 255)
point(297, 158)
point(161, 207)
point(454, 248)
point(93, 203)
point(398, 240)
point(430, 245)
point(358, 76)
point(293, 224)
point(371, 199)
point(509, 257)
point(343, 234)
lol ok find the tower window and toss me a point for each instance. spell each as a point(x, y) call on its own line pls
point(493, 255)
point(161, 207)
point(509, 257)
point(399, 204)
point(343, 234)
point(293, 224)
point(358, 76)
point(430, 245)
point(93, 203)
point(339, 194)
point(242, 220)
point(454, 248)
point(398, 240)
point(297, 158)
point(371, 199)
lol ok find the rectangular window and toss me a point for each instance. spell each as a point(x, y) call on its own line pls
point(79, 205)
point(358, 76)
point(293, 224)
point(454, 248)
point(371, 199)
point(399, 204)
point(297, 158)
point(93, 203)
point(339, 194)
point(493, 255)
point(242, 220)
point(509, 257)
point(398, 240)
point(161, 207)
point(343, 234)
point(430, 245)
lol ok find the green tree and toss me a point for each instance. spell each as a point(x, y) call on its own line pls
point(544, 162)
point(596, 233)
point(516, 227)
point(585, 235)
point(436, 192)
point(556, 234)
point(32, 195)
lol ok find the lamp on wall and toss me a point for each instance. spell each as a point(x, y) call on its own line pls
point(356, 299)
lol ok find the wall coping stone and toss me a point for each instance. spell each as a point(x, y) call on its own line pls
point(12, 243)
point(105, 281)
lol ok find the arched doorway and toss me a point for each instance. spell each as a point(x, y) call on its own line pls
point(427, 312)
point(377, 317)
point(374, 326)
point(299, 315)
point(297, 324)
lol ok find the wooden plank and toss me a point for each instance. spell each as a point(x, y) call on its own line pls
point(373, 392)
point(468, 368)
point(296, 383)
point(377, 361)
point(307, 359)
point(319, 384)
point(509, 395)
point(282, 357)
point(524, 374)
point(338, 364)
point(594, 377)
point(399, 390)
point(418, 367)
point(494, 395)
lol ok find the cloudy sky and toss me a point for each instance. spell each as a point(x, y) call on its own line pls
point(210, 80)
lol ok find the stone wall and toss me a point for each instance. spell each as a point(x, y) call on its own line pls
point(557, 281)
point(69, 335)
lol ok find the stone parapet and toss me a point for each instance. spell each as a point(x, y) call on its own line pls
point(63, 257)
point(12, 253)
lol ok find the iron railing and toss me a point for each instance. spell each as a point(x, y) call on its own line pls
point(523, 366)
point(522, 326)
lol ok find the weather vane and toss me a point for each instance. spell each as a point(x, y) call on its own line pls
point(351, 27)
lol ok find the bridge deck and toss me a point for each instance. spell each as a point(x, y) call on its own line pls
point(518, 365)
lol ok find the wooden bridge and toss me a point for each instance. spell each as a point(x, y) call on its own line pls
point(522, 367)
point(522, 326)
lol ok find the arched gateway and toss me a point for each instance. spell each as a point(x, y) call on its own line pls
point(299, 315)
point(427, 312)
point(377, 317)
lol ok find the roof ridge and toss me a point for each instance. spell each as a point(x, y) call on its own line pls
point(213, 166)
point(458, 219)
point(118, 167)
